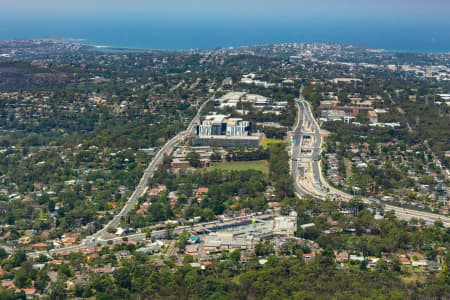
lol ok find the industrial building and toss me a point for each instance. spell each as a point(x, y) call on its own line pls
point(285, 225)
point(245, 235)
point(232, 99)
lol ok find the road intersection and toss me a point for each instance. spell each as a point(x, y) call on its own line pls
point(307, 173)
point(142, 186)
point(306, 148)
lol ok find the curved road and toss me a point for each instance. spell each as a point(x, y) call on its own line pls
point(311, 181)
point(142, 187)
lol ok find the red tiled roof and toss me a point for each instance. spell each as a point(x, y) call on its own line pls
point(153, 191)
point(69, 240)
point(9, 284)
point(39, 245)
point(29, 290)
point(55, 262)
point(202, 190)
point(404, 260)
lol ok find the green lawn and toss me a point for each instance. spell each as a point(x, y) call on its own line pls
point(268, 142)
point(259, 165)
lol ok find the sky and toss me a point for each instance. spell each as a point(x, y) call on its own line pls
point(272, 9)
point(395, 24)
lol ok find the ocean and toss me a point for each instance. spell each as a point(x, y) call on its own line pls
point(210, 33)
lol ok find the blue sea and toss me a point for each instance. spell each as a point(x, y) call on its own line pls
point(210, 33)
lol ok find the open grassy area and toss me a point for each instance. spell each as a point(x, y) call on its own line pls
point(414, 277)
point(268, 142)
point(260, 165)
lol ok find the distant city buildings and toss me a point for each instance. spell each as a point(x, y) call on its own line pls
point(333, 110)
point(236, 100)
point(250, 79)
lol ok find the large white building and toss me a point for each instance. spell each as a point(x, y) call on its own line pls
point(223, 125)
point(232, 99)
point(220, 130)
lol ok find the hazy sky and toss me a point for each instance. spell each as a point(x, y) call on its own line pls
point(164, 24)
point(373, 9)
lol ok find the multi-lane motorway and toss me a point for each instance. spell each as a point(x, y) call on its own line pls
point(306, 145)
point(100, 237)
point(142, 187)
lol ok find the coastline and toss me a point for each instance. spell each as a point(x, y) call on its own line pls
point(142, 49)
point(101, 46)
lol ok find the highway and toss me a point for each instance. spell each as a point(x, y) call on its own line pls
point(100, 237)
point(306, 145)
point(142, 186)
point(307, 173)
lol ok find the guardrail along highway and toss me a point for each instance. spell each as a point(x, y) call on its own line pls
point(306, 152)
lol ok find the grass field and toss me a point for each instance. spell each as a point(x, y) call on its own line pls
point(267, 142)
point(259, 165)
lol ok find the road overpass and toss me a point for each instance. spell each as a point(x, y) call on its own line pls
point(312, 181)
point(100, 237)
point(142, 186)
